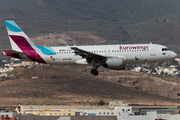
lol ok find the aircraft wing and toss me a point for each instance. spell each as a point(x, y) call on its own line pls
point(86, 54)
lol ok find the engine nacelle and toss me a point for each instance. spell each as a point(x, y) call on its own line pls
point(115, 63)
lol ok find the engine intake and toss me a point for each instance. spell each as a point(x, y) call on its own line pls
point(115, 63)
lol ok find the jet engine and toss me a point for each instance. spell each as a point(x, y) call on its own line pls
point(115, 63)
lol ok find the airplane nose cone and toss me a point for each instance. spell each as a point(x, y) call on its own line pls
point(174, 55)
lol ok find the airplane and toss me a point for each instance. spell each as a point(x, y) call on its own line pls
point(109, 56)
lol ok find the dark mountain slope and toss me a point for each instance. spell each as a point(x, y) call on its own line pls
point(117, 21)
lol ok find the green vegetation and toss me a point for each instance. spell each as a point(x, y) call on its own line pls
point(101, 103)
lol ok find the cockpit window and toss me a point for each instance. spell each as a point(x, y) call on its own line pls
point(165, 49)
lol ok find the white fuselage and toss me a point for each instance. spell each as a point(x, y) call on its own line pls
point(131, 53)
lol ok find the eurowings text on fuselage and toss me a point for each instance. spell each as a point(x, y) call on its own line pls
point(111, 56)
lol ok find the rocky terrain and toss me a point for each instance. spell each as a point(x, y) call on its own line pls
point(82, 22)
point(68, 38)
point(75, 85)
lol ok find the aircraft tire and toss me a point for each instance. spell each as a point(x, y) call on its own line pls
point(94, 72)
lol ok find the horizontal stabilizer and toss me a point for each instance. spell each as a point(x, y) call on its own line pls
point(14, 52)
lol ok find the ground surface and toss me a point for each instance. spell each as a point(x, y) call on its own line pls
point(73, 85)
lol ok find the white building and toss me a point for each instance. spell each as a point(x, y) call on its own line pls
point(150, 116)
point(10, 114)
point(116, 108)
point(116, 111)
point(169, 116)
point(137, 69)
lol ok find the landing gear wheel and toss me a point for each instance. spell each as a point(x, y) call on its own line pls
point(94, 72)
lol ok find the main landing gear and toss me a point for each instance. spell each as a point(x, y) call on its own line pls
point(94, 72)
point(94, 69)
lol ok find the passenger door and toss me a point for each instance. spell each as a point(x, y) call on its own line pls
point(153, 50)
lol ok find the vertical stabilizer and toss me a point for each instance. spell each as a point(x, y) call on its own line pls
point(22, 46)
point(18, 39)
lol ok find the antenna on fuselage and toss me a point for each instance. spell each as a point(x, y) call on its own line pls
point(68, 46)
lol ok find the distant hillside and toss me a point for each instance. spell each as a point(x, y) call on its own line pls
point(75, 85)
point(68, 38)
point(116, 21)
